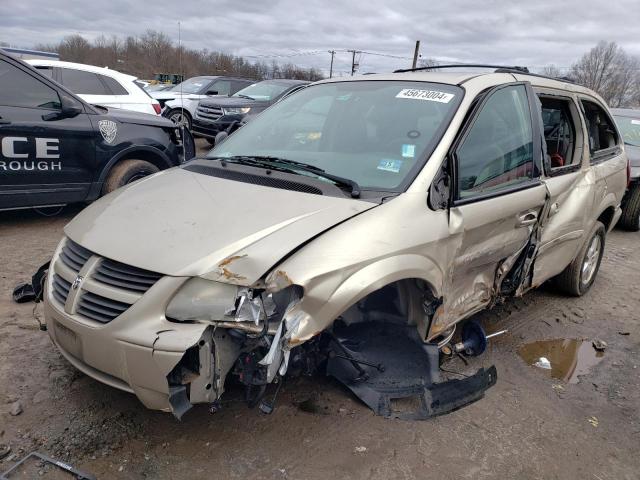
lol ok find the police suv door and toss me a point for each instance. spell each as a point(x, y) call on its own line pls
point(47, 152)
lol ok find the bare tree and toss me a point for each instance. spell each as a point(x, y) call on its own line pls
point(551, 70)
point(608, 70)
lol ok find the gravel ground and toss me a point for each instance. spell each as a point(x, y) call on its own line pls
point(528, 426)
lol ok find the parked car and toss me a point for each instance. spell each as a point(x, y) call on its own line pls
point(216, 114)
point(56, 148)
point(100, 86)
point(348, 228)
point(179, 103)
point(159, 87)
point(628, 121)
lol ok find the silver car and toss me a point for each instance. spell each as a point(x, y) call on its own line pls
point(349, 228)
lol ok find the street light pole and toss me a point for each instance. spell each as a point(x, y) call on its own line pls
point(332, 52)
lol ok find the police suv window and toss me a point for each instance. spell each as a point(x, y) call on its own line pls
point(497, 152)
point(82, 83)
point(113, 85)
point(19, 89)
point(602, 134)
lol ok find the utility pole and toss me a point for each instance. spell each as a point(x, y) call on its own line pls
point(332, 52)
point(416, 54)
point(353, 61)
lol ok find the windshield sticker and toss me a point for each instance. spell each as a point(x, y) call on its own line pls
point(635, 122)
point(408, 151)
point(388, 165)
point(429, 95)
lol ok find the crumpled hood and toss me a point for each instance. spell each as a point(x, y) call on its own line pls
point(183, 223)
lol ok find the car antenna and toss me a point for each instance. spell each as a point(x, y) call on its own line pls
point(182, 81)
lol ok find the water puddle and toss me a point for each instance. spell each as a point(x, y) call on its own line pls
point(564, 359)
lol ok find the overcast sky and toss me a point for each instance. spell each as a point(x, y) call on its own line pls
point(514, 32)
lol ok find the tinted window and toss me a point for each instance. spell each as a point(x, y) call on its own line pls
point(113, 85)
point(497, 152)
point(602, 134)
point(19, 89)
point(82, 83)
point(223, 87)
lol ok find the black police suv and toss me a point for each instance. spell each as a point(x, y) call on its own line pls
point(217, 114)
point(57, 149)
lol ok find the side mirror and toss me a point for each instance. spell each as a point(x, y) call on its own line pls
point(70, 107)
point(440, 190)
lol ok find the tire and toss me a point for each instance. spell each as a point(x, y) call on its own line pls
point(577, 278)
point(178, 115)
point(630, 219)
point(127, 171)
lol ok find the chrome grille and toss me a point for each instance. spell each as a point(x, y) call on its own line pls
point(124, 276)
point(109, 288)
point(99, 308)
point(208, 113)
point(60, 288)
point(74, 256)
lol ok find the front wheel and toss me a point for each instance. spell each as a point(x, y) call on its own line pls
point(630, 218)
point(578, 277)
point(127, 171)
point(180, 117)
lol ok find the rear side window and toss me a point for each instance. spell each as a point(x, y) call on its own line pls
point(559, 133)
point(497, 151)
point(19, 89)
point(82, 83)
point(113, 85)
point(602, 134)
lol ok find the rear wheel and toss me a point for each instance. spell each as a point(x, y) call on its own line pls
point(180, 117)
point(630, 219)
point(127, 171)
point(578, 277)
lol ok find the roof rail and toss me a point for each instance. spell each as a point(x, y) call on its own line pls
point(502, 68)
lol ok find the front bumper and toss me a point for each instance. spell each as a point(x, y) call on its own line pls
point(135, 351)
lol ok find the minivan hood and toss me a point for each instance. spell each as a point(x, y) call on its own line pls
point(183, 223)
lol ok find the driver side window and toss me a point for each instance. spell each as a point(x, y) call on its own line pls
point(497, 151)
point(19, 89)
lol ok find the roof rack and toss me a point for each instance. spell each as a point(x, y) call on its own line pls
point(499, 68)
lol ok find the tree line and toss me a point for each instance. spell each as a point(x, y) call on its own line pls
point(606, 68)
point(155, 52)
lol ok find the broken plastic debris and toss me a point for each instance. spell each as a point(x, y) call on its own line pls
point(599, 345)
point(543, 362)
point(361, 449)
point(593, 421)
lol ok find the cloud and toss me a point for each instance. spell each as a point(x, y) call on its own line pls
point(533, 33)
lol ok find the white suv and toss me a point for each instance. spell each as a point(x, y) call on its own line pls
point(100, 86)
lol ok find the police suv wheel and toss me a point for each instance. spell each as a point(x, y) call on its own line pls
point(577, 278)
point(630, 219)
point(127, 171)
point(180, 118)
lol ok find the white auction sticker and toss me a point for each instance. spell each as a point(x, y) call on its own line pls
point(429, 95)
point(635, 122)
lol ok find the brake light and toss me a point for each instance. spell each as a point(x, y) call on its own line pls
point(157, 108)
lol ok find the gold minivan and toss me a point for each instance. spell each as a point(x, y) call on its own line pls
point(348, 228)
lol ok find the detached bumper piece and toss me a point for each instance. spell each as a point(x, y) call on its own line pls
point(397, 375)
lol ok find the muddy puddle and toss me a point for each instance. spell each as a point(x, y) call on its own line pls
point(564, 359)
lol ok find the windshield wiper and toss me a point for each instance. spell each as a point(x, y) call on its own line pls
point(244, 96)
point(292, 167)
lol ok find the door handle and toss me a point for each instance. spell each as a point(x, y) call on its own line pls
point(527, 219)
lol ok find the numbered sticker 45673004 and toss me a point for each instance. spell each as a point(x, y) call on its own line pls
point(428, 95)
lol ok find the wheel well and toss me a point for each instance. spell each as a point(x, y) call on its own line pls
point(142, 155)
point(606, 217)
point(408, 301)
point(184, 111)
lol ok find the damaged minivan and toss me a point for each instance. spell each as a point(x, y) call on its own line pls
point(348, 229)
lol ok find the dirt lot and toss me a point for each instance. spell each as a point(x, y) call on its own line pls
point(528, 426)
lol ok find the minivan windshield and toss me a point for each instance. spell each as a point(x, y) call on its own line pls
point(630, 129)
point(376, 133)
point(192, 85)
point(263, 91)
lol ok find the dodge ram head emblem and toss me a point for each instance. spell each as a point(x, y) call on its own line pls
point(76, 283)
point(108, 129)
